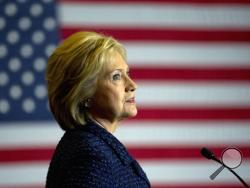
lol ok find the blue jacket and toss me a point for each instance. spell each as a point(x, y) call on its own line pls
point(91, 157)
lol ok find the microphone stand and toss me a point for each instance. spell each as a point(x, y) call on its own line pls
point(209, 155)
point(241, 180)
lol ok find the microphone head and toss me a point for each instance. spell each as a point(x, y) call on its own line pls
point(207, 153)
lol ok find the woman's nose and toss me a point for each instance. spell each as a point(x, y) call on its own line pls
point(130, 85)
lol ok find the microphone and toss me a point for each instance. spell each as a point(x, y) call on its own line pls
point(210, 155)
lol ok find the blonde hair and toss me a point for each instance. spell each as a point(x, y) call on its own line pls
point(72, 72)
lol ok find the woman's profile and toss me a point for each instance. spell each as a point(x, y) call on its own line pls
point(90, 92)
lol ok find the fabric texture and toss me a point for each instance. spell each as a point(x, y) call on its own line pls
point(90, 156)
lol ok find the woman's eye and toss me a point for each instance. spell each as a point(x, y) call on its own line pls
point(116, 77)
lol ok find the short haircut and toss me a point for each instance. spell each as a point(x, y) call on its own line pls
point(72, 72)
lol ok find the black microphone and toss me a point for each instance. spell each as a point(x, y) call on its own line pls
point(209, 155)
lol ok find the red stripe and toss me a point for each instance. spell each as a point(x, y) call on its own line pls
point(183, 114)
point(246, 2)
point(203, 74)
point(140, 153)
point(26, 154)
point(160, 34)
point(157, 153)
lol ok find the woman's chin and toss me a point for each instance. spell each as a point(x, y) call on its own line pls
point(132, 112)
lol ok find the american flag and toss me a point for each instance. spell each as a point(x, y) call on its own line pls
point(190, 58)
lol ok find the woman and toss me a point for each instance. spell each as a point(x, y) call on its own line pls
point(90, 92)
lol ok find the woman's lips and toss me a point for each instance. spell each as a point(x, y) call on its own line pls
point(131, 100)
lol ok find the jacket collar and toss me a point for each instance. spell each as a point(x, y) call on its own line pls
point(117, 146)
point(111, 140)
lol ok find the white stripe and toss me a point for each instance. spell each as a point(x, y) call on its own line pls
point(188, 54)
point(157, 171)
point(163, 94)
point(176, 172)
point(23, 173)
point(29, 134)
point(143, 15)
point(149, 133)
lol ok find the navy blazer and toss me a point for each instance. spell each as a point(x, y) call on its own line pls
point(90, 156)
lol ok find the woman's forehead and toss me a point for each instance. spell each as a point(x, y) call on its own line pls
point(115, 62)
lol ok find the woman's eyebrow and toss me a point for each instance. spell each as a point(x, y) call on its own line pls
point(121, 70)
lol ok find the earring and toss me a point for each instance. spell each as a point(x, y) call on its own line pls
point(87, 103)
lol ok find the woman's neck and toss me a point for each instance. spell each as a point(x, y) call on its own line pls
point(104, 123)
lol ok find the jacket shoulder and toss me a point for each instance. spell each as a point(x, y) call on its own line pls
point(84, 143)
point(80, 160)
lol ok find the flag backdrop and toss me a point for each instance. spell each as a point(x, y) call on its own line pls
point(190, 58)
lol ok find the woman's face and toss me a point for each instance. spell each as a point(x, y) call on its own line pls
point(114, 98)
